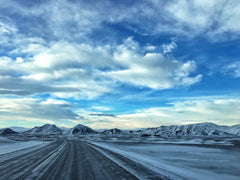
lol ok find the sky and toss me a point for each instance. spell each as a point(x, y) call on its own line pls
point(119, 63)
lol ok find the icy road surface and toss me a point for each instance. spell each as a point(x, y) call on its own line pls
point(62, 159)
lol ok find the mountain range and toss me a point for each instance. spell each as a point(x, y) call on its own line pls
point(200, 129)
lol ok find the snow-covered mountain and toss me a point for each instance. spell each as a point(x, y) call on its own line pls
point(7, 131)
point(81, 130)
point(233, 129)
point(47, 129)
point(200, 129)
point(19, 129)
point(112, 131)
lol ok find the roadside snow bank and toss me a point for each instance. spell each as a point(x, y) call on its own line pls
point(187, 162)
point(7, 145)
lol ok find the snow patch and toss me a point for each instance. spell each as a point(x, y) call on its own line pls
point(7, 145)
point(187, 162)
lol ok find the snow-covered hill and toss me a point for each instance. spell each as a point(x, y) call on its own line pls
point(19, 129)
point(112, 131)
point(47, 129)
point(233, 129)
point(200, 129)
point(7, 131)
point(81, 130)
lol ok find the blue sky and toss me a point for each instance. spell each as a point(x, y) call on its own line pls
point(125, 64)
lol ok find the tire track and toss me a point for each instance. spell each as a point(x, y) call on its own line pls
point(81, 161)
point(19, 166)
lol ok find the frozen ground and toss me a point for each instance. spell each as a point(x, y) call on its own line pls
point(73, 158)
point(209, 140)
point(61, 159)
point(7, 145)
point(182, 161)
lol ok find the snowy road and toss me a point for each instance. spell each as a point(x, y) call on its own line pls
point(62, 159)
point(74, 159)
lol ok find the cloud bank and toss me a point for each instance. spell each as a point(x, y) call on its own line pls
point(73, 70)
point(219, 111)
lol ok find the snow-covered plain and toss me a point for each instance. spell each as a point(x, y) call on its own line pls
point(8, 145)
point(182, 161)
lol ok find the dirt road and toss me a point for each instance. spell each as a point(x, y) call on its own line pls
point(62, 159)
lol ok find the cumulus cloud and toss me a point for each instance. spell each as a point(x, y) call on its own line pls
point(153, 70)
point(84, 71)
point(36, 110)
point(60, 69)
point(67, 64)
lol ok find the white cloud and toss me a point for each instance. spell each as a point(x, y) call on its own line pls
point(64, 68)
point(167, 48)
point(57, 52)
point(232, 69)
point(101, 108)
point(19, 60)
point(55, 101)
point(76, 20)
point(220, 111)
point(6, 27)
point(152, 70)
point(211, 19)
point(83, 71)
point(35, 110)
point(150, 47)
